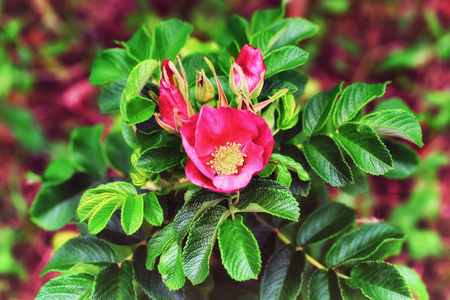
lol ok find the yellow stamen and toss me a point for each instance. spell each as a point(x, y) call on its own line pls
point(227, 158)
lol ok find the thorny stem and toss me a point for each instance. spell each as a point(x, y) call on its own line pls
point(286, 240)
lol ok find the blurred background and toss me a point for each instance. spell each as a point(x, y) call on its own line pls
point(47, 48)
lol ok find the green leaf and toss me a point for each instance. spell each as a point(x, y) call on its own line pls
point(296, 77)
point(292, 165)
point(379, 281)
point(118, 152)
point(296, 30)
point(140, 44)
point(133, 107)
point(360, 184)
point(355, 97)
point(318, 109)
point(283, 275)
point(361, 243)
point(324, 285)
point(416, 284)
point(132, 214)
point(283, 59)
point(283, 175)
point(76, 286)
point(109, 101)
point(84, 250)
point(395, 122)
point(157, 244)
point(272, 85)
point(150, 281)
point(110, 65)
point(271, 197)
point(85, 150)
point(327, 161)
point(393, 103)
point(238, 27)
point(170, 266)
point(405, 160)
point(364, 146)
point(324, 223)
point(153, 212)
point(195, 61)
point(98, 205)
point(239, 250)
point(55, 205)
point(288, 112)
point(170, 37)
point(58, 171)
point(261, 40)
point(113, 282)
point(264, 18)
point(195, 205)
point(158, 159)
point(200, 242)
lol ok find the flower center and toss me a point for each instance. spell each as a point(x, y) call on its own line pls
point(227, 158)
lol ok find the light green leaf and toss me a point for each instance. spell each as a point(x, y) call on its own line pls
point(109, 101)
point(364, 146)
point(261, 40)
point(133, 107)
point(379, 281)
point(416, 284)
point(318, 109)
point(118, 152)
point(170, 266)
point(157, 244)
point(269, 196)
point(195, 204)
point(292, 165)
point(296, 30)
point(326, 222)
point(200, 242)
point(132, 214)
point(282, 279)
point(85, 150)
point(324, 285)
point(239, 250)
point(355, 97)
point(140, 44)
point(170, 37)
point(361, 243)
point(288, 112)
point(264, 18)
point(283, 59)
point(58, 171)
point(84, 250)
point(283, 175)
point(327, 161)
point(158, 159)
point(153, 212)
point(110, 65)
point(76, 286)
point(395, 122)
point(405, 160)
point(113, 282)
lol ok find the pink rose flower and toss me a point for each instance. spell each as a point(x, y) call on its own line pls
point(174, 106)
point(225, 147)
point(249, 65)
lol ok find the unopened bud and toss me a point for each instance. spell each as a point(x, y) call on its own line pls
point(204, 89)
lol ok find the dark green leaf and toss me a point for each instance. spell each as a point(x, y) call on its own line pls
point(283, 275)
point(153, 212)
point(156, 160)
point(416, 284)
point(76, 286)
point(264, 18)
point(327, 161)
point(132, 213)
point(200, 242)
point(151, 281)
point(296, 30)
point(355, 97)
point(361, 243)
point(195, 61)
point(85, 150)
point(170, 37)
point(170, 266)
point(326, 222)
point(379, 281)
point(239, 250)
point(194, 205)
point(109, 101)
point(318, 109)
point(324, 285)
point(84, 250)
point(115, 283)
point(110, 65)
point(157, 244)
point(272, 85)
point(405, 160)
point(283, 59)
point(296, 77)
point(118, 152)
point(55, 205)
point(360, 185)
point(364, 146)
point(238, 27)
point(269, 196)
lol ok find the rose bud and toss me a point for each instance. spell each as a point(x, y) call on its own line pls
point(204, 89)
